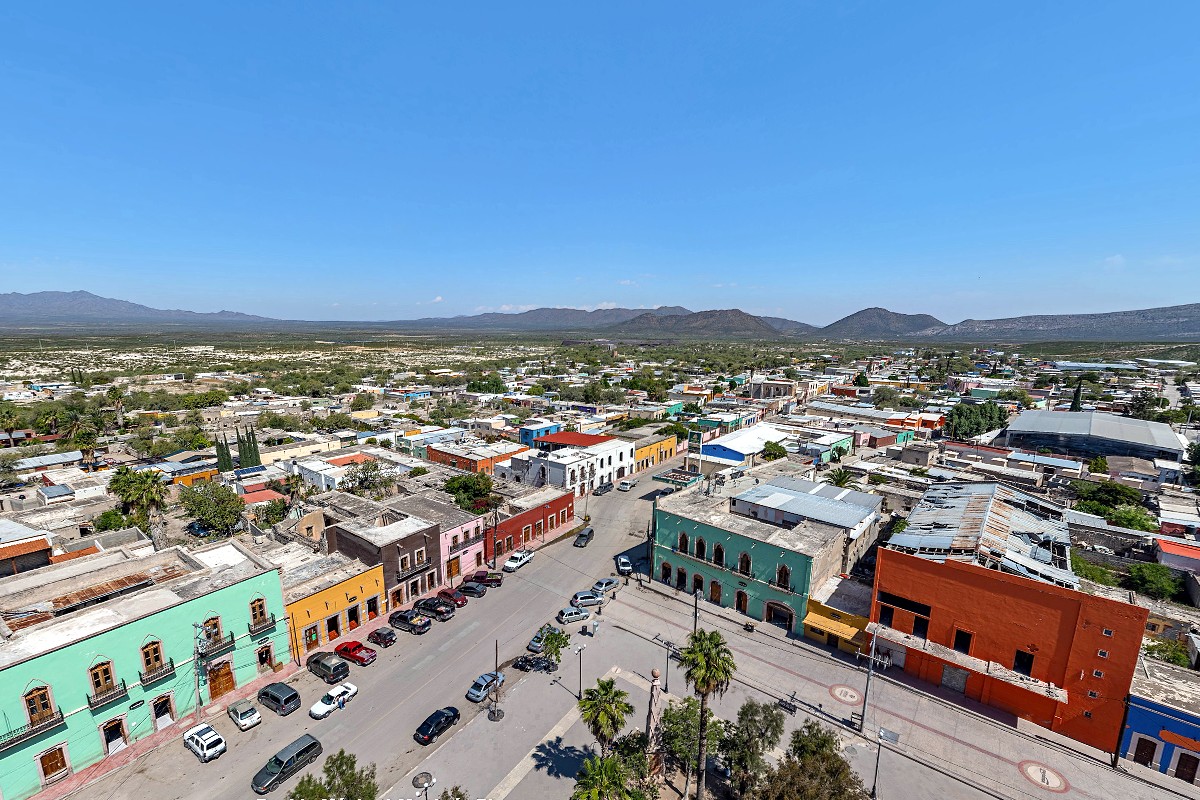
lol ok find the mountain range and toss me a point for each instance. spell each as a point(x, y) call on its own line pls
point(83, 311)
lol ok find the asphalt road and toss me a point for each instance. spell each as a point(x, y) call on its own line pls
point(409, 680)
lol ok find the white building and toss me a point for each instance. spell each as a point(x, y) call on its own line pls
point(576, 469)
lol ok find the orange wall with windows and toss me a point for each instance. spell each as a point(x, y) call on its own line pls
point(349, 604)
point(1064, 629)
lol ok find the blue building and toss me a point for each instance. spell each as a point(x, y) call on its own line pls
point(536, 428)
point(1162, 725)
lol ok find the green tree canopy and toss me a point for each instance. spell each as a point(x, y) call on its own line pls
point(772, 451)
point(1155, 580)
point(744, 748)
point(341, 777)
point(362, 402)
point(605, 709)
point(216, 507)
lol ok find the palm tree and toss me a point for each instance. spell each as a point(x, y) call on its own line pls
point(121, 485)
point(9, 420)
point(74, 424)
point(147, 493)
point(708, 668)
point(840, 477)
point(50, 420)
point(602, 779)
point(116, 397)
point(605, 710)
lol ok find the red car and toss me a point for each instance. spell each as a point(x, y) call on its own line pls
point(356, 652)
point(491, 579)
point(453, 596)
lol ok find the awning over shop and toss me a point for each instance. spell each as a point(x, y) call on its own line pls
point(838, 629)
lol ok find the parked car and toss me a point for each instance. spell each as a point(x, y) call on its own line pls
point(433, 607)
point(518, 559)
point(666, 491)
point(331, 701)
point(484, 685)
point(472, 589)
point(244, 715)
point(453, 596)
point(204, 741)
point(624, 565)
point(328, 667)
point(587, 599)
point(436, 724)
point(280, 698)
point(571, 614)
point(286, 763)
point(538, 643)
point(584, 537)
point(627, 484)
point(605, 585)
point(489, 579)
point(410, 620)
point(603, 488)
point(382, 637)
point(356, 652)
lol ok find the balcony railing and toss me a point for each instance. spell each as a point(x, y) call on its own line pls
point(27, 732)
point(783, 587)
point(465, 543)
point(212, 647)
point(106, 696)
point(260, 625)
point(424, 566)
point(166, 670)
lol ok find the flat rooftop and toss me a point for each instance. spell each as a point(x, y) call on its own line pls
point(809, 538)
point(61, 604)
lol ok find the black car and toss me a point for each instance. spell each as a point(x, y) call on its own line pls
point(410, 620)
point(436, 724)
point(438, 609)
point(603, 488)
point(489, 579)
point(472, 589)
point(382, 637)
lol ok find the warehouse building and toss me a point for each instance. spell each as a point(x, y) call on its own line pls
point(1094, 433)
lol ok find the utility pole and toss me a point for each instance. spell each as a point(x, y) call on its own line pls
point(867, 690)
point(696, 610)
point(890, 737)
point(196, 650)
point(579, 652)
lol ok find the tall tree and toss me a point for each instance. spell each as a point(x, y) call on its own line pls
point(9, 421)
point(602, 778)
point(840, 477)
point(148, 497)
point(241, 448)
point(708, 667)
point(224, 457)
point(758, 729)
point(605, 710)
point(340, 777)
point(116, 398)
point(1077, 399)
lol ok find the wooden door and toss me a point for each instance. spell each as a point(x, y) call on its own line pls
point(1185, 767)
point(220, 680)
point(453, 569)
point(1144, 752)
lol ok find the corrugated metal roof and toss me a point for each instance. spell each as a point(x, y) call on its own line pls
point(1100, 425)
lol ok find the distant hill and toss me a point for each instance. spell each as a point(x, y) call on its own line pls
point(1179, 323)
point(878, 323)
point(42, 309)
point(544, 319)
point(789, 325)
point(724, 324)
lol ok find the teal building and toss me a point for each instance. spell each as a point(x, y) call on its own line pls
point(100, 651)
point(762, 549)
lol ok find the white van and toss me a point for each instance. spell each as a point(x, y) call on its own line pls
point(625, 486)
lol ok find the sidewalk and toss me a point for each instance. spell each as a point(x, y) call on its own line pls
point(135, 750)
point(980, 745)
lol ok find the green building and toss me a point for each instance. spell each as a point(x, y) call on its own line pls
point(100, 651)
point(764, 547)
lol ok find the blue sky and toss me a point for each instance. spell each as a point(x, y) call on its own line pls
point(393, 160)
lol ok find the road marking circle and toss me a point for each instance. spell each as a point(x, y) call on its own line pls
point(1044, 777)
point(845, 694)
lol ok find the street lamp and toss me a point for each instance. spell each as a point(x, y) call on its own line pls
point(891, 737)
point(423, 781)
point(579, 652)
point(696, 610)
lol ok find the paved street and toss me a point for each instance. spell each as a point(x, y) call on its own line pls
point(536, 749)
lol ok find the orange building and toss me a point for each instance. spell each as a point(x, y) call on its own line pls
point(976, 595)
point(473, 456)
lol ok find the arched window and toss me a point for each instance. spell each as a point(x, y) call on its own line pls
point(718, 555)
point(744, 563)
point(666, 572)
point(152, 657)
point(101, 676)
point(783, 577)
point(683, 543)
point(697, 583)
point(701, 550)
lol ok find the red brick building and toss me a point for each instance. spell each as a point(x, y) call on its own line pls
point(976, 595)
point(473, 457)
point(529, 521)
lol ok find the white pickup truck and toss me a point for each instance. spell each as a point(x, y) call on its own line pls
point(626, 485)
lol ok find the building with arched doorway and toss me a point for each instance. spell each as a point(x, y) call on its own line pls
point(761, 549)
point(106, 649)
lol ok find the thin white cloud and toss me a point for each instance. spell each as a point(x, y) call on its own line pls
point(627, 282)
point(1115, 261)
point(437, 299)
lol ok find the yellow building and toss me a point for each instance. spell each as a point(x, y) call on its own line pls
point(835, 628)
point(326, 596)
point(654, 449)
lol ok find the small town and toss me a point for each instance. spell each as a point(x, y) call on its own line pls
point(785, 401)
